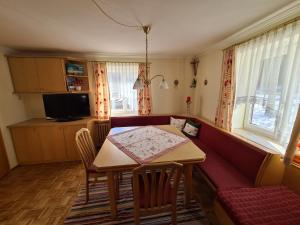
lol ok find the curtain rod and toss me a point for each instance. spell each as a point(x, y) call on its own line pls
point(265, 32)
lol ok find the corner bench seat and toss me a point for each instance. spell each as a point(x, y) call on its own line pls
point(261, 205)
point(229, 163)
point(222, 174)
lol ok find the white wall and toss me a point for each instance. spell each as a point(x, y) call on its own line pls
point(210, 68)
point(171, 100)
point(205, 98)
point(12, 109)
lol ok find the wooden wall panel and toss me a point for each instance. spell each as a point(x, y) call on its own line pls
point(51, 74)
point(52, 143)
point(27, 145)
point(24, 74)
point(71, 147)
point(4, 165)
point(292, 178)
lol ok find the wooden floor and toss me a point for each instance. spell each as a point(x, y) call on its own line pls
point(40, 194)
point(43, 194)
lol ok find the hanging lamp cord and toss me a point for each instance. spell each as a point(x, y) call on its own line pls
point(113, 19)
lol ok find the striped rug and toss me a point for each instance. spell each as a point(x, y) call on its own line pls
point(97, 211)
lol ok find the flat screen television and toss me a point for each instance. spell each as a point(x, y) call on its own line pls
point(66, 107)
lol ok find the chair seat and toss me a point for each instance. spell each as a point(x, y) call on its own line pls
point(261, 206)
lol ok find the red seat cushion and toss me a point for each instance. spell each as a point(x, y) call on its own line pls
point(246, 158)
point(221, 173)
point(275, 205)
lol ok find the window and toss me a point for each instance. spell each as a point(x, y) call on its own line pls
point(268, 83)
point(121, 77)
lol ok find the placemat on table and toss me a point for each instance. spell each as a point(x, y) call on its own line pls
point(144, 144)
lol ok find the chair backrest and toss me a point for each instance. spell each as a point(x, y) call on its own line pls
point(155, 185)
point(86, 147)
point(99, 131)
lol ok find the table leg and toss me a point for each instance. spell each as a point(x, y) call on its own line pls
point(188, 183)
point(111, 184)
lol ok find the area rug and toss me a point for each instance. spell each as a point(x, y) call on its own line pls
point(97, 211)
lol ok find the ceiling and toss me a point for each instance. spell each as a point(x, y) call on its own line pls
point(179, 27)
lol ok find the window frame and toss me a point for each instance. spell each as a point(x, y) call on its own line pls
point(121, 112)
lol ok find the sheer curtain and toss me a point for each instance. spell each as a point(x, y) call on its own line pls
point(121, 77)
point(268, 82)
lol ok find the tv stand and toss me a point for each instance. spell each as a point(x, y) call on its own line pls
point(68, 119)
point(43, 141)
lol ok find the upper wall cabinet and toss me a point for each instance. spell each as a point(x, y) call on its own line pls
point(24, 74)
point(37, 75)
point(51, 74)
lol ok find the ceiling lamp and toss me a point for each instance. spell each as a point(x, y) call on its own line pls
point(142, 80)
point(145, 80)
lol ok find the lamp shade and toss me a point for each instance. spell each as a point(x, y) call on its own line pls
point(163, 84)
point(138, 84)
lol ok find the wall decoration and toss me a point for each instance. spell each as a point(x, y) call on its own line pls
point(188, 102)
point(194, 83)
point(194, 63)
point(176, 82)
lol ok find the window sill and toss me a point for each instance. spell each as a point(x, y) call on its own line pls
point(261, 140)
point(123, 114)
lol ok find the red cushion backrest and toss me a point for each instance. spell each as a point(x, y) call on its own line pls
point(244, 157)
point(139, 121)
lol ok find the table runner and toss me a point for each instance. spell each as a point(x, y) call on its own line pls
point(144, 144)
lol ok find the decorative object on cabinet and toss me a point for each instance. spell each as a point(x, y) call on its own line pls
point(194, 63)
point(76, 75)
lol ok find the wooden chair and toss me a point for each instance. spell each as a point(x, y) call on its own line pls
point(155, 189)
point(99, 130)
point(87, 154)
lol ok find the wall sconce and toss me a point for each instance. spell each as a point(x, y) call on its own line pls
point(176, 82)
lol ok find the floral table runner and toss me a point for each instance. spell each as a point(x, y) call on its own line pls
point(144, 144)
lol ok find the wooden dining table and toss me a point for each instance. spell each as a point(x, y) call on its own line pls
point(111, 160)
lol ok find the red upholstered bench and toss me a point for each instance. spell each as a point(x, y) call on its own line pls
point(273, 205)
point(229, 163)
point(126, 121)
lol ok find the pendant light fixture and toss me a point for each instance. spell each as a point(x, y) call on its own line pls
point(145, 80)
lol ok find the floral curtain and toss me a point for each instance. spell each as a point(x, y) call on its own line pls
point(294, 140)
point(144, 95)
point(102, 103)
point(226, 100)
